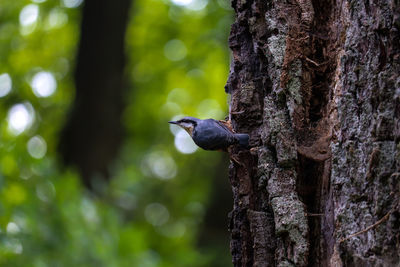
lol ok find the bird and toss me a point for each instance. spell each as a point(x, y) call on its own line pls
point(210, 134)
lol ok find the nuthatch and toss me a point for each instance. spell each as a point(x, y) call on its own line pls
point(212, 134)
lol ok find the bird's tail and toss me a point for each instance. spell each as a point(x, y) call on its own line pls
point(243, 139)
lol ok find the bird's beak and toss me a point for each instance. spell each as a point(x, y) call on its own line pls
point(173, 122)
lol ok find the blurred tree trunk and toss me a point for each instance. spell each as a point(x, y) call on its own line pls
point(93, 132)
point(316, 84)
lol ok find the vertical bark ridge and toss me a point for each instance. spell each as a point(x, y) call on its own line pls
point(365, 150)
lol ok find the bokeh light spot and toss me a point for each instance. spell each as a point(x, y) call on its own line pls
point(226, 4)
point(28, 15)
point(43, 84)
point(174, 230)
point(159, 164)
point(37, 147)
point(72, 3)
point(15, 194)
point(175, 50)
point(179, 96)
point(20, 117)
point(169, 109)
point(184, 143)
point(56, 19)
point(5, 84)
point(195, 73)
point(12, 228)
point(197, 5)
point(156, 214)
point(210, 108)
point(182, 2)
point(127, 201)
point(14, 245)
point(195, 208)
point(8, 165)
point(45, 191)
point(148, 258)
point(89, 211)
point(173, 127)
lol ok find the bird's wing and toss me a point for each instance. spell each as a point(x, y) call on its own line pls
point(213, 135)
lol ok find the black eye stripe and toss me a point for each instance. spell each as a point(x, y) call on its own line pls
point(187, 121)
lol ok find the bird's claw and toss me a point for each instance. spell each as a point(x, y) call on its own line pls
point(234, 159)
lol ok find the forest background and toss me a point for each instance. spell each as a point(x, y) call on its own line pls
point(166, 203)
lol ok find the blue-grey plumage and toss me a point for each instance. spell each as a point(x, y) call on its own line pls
point(211, 134)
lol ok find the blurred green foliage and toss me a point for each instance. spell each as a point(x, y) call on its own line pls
point(150, 213)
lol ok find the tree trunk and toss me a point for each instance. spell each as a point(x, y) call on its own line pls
point(93, 132)
point(316, 85)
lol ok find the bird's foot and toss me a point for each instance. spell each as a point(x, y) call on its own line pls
point(236, 160)
point(254, 150)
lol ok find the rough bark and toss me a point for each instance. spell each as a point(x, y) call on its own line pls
point(316, 85)
point(93, 132)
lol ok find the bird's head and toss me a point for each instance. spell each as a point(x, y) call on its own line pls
point(187, 123)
